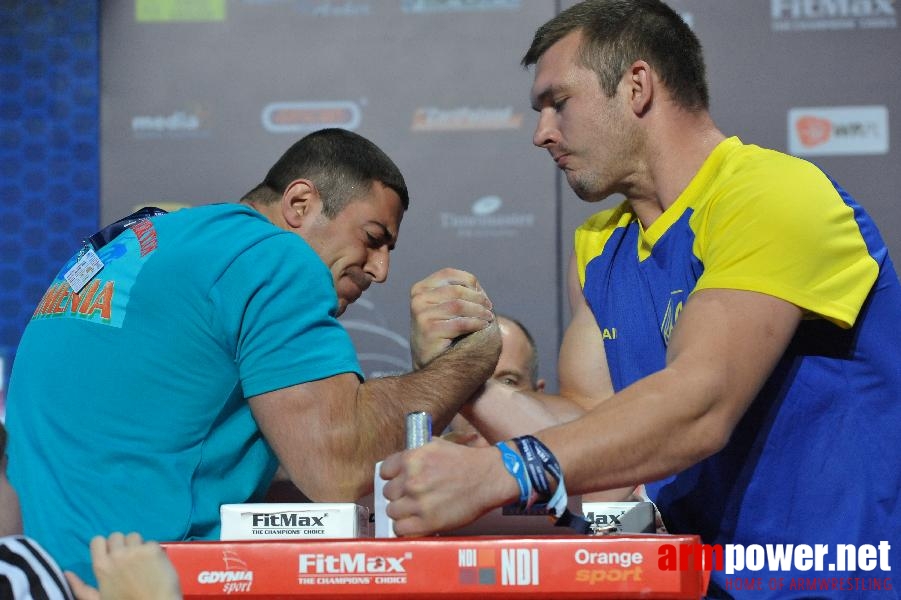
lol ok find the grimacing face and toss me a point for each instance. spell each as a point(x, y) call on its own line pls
point(356, 243)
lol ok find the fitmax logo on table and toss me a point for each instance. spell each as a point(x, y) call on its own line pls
point(358, 568)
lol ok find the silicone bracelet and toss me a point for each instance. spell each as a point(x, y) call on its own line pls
point(517, 469)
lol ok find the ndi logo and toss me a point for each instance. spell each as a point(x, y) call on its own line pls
point(518, 566)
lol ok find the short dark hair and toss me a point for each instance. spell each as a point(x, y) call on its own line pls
point(619, 32)
point(343, 165)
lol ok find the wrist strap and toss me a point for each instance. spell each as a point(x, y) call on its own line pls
point(541, 461)
point(517, 469)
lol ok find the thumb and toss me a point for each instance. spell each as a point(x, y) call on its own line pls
point(81, 590)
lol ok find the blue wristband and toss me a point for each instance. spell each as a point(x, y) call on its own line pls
point(517, 469)
point(540, 459)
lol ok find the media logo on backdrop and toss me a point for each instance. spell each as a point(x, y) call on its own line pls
point(464, 118)
point(177, 124)
point(443, 6)
point(813, 15)
point(838, 130)
point(306, 117)
point(487, 220)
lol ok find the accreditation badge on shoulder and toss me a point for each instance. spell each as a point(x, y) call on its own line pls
point(86, 266)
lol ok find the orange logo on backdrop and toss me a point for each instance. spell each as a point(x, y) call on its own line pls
point(813, 131)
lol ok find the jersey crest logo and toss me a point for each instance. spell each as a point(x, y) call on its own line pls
point(673, 308)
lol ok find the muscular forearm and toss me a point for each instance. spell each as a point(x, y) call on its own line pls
point(439, 388)
point(381, 405)
point(658, 426)
point(500, 412)
point(721, 353)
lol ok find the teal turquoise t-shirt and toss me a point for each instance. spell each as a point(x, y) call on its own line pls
point(127, 404)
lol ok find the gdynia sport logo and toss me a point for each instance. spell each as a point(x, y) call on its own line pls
point(806, 567)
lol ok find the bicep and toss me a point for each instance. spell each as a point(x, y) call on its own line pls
point(582, 367)
point(309, 426)
point(727, 342)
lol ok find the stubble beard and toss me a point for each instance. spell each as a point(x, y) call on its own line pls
point(587, 186)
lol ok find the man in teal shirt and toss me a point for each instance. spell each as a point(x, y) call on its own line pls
point(207, 350)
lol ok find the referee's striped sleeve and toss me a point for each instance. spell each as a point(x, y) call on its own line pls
point(27, 572)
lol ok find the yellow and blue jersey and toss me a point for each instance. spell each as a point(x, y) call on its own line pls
point(817, 457)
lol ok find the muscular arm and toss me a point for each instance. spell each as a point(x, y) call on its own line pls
point(501, 413)
point(584, 384)
point(723, 348)
point(328, 434)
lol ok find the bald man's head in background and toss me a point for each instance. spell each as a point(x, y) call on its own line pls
point(517, 367)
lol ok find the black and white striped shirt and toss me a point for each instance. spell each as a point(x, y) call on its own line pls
point(28, 573)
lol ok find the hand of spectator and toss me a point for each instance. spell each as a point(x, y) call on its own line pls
point(445, 306)
point(128, 568)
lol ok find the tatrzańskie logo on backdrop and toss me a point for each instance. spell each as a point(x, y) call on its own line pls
point(822, 566)
point(487, 220)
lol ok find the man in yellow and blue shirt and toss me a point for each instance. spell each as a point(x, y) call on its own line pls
point(734, 338)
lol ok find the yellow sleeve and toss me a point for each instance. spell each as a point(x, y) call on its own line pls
point(782, 229)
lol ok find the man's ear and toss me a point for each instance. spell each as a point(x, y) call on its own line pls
point(300, 201)
point(639, 82)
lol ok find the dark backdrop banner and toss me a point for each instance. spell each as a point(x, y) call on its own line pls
point(199, 98)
